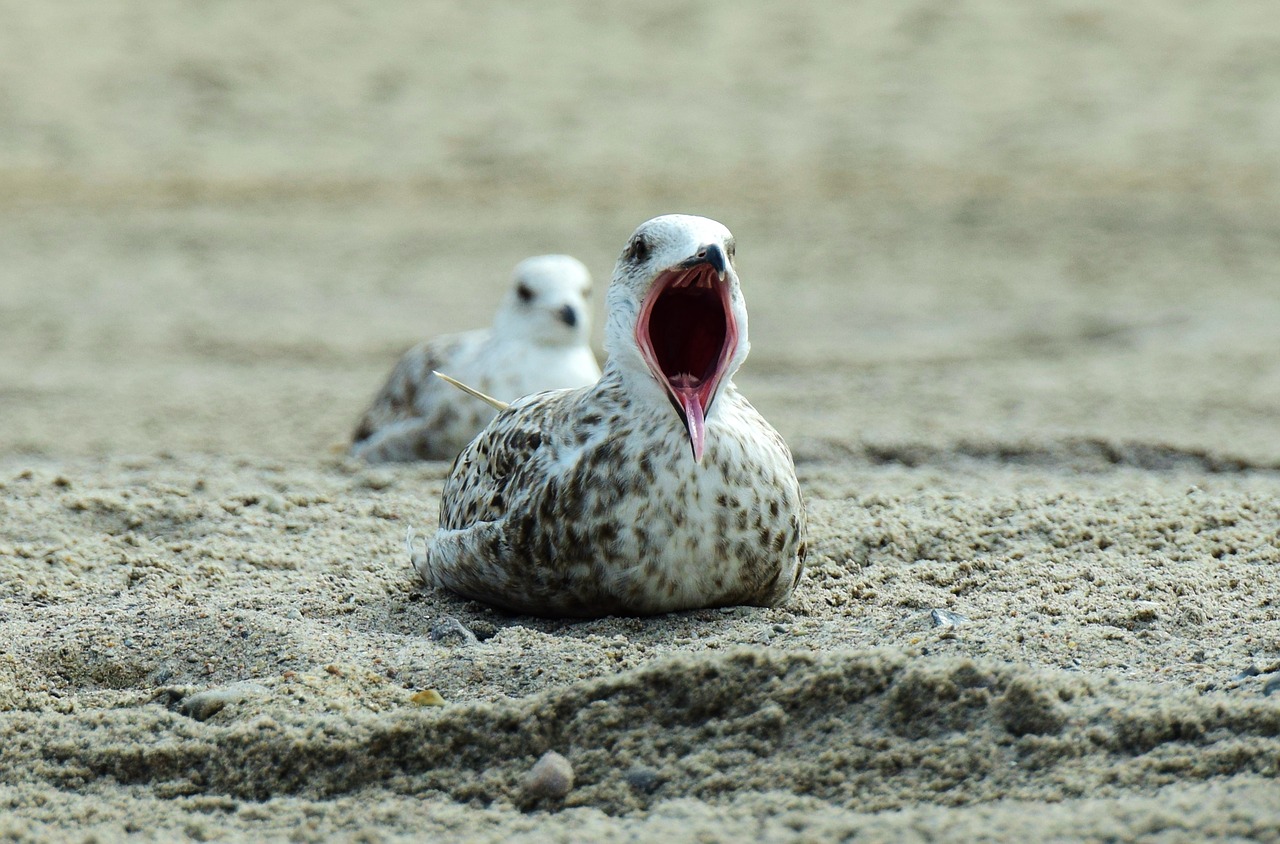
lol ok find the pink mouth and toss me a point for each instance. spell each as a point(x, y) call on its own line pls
point(687, 334)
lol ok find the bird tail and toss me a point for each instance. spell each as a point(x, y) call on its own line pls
point(489, 400)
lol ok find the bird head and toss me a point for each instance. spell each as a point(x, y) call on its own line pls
point(676, 314)
point(547, 302)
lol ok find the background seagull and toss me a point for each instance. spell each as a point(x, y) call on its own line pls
point(538, 342)
point(659, 488)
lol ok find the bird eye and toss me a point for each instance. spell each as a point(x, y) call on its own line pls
point(525, 294)
point(638, 249)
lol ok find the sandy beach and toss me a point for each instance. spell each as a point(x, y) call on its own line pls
point(1014, 283)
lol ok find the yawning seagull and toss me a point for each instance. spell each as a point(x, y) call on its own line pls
point(538, 342)
point(657, 489)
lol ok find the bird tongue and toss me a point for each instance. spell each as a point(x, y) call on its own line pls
point(690, 395)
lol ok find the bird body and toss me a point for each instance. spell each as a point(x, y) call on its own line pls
point(659, 488)
point(538, 342)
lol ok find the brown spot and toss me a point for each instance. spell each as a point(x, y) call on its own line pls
point(422, 448)
point(410, 393)
point(526, 441)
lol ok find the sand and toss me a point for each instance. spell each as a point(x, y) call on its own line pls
point(1012, 275)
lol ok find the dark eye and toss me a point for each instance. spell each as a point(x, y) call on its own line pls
point(637, 250)
point(525, 294)
point(730, 247)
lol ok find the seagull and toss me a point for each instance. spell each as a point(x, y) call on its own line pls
point(657, 489)
point(538, 342)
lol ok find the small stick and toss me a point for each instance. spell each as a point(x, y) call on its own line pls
point(490, 400)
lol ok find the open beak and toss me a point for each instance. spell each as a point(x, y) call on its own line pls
point(687, 334)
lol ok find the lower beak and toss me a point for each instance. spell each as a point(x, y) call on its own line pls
point(694, 421)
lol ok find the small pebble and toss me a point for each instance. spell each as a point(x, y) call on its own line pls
point(550, 778)
point(641, 779)
point(946, 618)
point(427, 697)
point(1272, 686)
point(204, 705)
point(452, 631)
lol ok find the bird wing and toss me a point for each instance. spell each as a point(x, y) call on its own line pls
point(512, 461)
point(411, 391)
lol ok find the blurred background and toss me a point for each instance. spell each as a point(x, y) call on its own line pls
point(985, 221)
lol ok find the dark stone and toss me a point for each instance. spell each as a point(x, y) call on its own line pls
point(641, 779)
point(451, 631)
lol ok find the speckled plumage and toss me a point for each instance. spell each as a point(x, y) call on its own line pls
point(538, 342)
point(594, 501)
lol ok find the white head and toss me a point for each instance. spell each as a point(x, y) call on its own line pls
point(677, 320)
point(547, 303)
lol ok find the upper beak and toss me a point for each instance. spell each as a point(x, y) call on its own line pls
point(568, 315)
point(713, 254)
